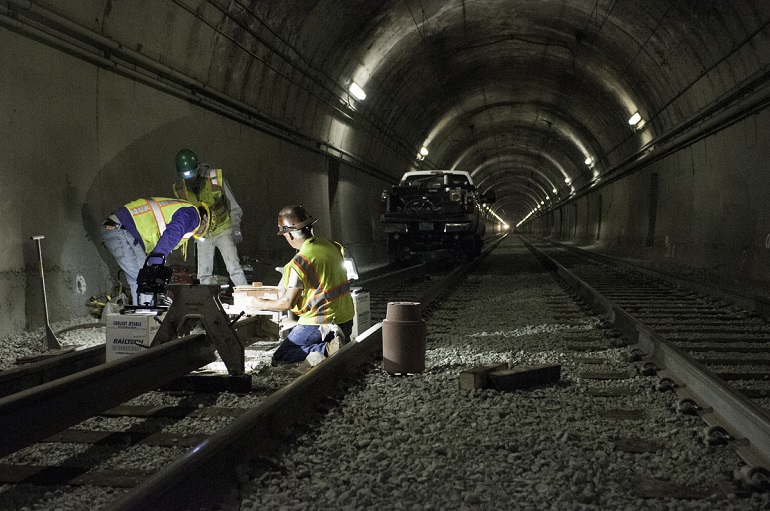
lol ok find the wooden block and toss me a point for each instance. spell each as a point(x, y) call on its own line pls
point(622, 415)
point(242, 294)
point(524, 376)
point(611, 391)
point(607, 375)
point(478, 377)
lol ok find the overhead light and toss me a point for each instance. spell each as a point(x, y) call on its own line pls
point(424, 151)
point(567, 180)
point(589, 161)
point(357, 91)
point(635, 119)
point(554, 190)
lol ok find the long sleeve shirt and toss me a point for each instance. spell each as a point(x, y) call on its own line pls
point(185, 220)
point(235, 210)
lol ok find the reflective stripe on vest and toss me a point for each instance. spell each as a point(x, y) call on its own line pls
point(151, 217)
point(215, 177)
point(325, 298)
point(212, 193)
point(158, 216)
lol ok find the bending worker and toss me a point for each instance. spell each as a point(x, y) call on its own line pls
point(156, 225)
point(200, 184)
point(316, 289)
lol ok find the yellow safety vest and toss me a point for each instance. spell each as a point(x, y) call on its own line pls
point(212, 194)
point(151, 217)
point(326, 294)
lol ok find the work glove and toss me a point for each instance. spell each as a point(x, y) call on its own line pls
point(237, 236)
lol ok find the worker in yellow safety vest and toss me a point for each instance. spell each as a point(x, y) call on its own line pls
point(315, 287)
point(200, 184)
point(151, 227)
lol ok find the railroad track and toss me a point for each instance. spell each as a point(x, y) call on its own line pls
point(710, 351)
point(76, 410)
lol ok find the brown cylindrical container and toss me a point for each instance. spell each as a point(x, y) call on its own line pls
point(403, 338)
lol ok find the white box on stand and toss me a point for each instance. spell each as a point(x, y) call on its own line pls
point(128, 334)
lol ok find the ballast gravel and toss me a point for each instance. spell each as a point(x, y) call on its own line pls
point(418, 442)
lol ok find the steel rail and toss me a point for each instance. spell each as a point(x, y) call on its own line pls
point(37, 413)
point(214, 467)
point(748, 424)
point(752, 303)
point(210, 469)
point(386, 279)
point(51, 368)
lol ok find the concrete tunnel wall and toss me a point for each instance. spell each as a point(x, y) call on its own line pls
point(79, 141)
point(710, 210)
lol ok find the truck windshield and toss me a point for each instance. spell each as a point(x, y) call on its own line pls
point(438, 181)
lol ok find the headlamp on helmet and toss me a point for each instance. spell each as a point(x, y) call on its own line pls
point(294, 218)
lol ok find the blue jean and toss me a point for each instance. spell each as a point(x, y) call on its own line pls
point(128, 253)
point(306, 339)
point(224, 242)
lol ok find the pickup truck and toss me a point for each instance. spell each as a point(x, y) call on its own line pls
point(431, 210)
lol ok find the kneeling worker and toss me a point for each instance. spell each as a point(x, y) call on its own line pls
point(156, 225)
point(316, 289)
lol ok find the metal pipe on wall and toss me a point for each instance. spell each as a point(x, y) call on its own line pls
point(177, 83)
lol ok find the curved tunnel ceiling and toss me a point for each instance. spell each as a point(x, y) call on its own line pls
point(534, 88)
point(530, 96)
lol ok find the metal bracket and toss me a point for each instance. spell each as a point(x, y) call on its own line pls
point(200, 303)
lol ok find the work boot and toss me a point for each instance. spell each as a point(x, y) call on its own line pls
point(333, 346)
point(312, 360)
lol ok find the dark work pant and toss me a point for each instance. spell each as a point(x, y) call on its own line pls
point(306, 339)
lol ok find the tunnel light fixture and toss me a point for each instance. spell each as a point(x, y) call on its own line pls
point(589, 161)
point(635, 119)
point(554, 191)
point(498, 217)
point(357, 91)
point(567, 180)
point(424, 151)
